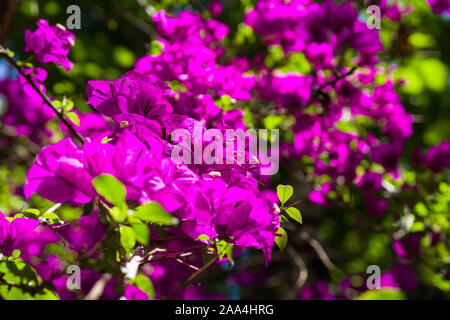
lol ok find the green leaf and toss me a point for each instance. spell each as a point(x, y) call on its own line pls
point(272, 121)
point(127, 238)
point(382, 294)
point(295, 214)
point(74, 118)
point(296, 62)
point(10, 53)
point(28, 285)
point(284, 193)
point(281, 241)
point(52, 217)
point(16, 253)
point(421, 209)
point(32, 213)
point(113, 191)
point(110, 188)
point(118, 214)
point(153, 212)
point(155, 48)
point(145, 284)
point(274, 56)
point(225, 248)
point(106, 139)
point(69, 106)
point(57, 103)
point(141, 232)
point(202, 237)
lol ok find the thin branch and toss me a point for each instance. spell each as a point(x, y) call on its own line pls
point(149, 255)
point(333, 82)
point(194, 276)
point(201, 270)
point(186, 264)
point(46, 99)
point(152, 257)
point(98, 288)
point(319, 250)
point(302, 271)
point(139, 24)
point(169, 238)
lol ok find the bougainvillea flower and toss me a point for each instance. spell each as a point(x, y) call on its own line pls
point(83, 235)
point(438, 157)
point(26, 111)
point(61, 172)
point(134, 293)
point(439, 6)
point(50, 43)
point(134, 93)
point(26, 235)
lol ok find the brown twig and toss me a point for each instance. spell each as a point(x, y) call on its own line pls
point(333, 82)
point(46, 99)
point(302, 271)
point(139, 24)
point(201, 270)
point(194, 276)
point(321, 253)
point(97, 290)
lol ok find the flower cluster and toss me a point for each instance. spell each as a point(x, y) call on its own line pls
point(439, 6)
point(221, 202)
point(50, 44)
point(320, 79)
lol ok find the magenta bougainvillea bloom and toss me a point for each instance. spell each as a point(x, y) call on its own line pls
point(26, 111)
point(88, 278)
point(92, 125)
point(314, 72)
point(26, 235)
point(135, 93)
point(215, 7)
point(52, 175)
point(83, 235)
point(50, 43)
point(296, 24)
point(407, 247)
point(390, 9)
point(134, 293)
point(438, 157)
point(439, 6)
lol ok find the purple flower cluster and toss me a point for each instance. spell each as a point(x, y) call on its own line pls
point(26, 235)
point(324, 32)
point(221, 202)
point(348, 129)
point(439, 6)
point(50, 44)
point(26, 111)
point(437, 158)
point(297, 25)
